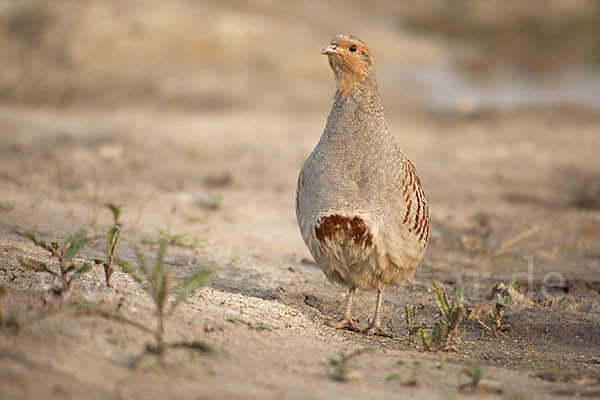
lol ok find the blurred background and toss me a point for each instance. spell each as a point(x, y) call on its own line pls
point(447, 56)
point(161, 105)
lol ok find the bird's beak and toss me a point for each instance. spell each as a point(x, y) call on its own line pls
point(330, 50)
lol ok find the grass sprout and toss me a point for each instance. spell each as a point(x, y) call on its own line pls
point(113, 238)
point(341, 365)
point(6, 206)
point(116, 212)
point(68, 270)
point(7, 320)
point(410, 314)
point(503, 300)
point(182, 240)
point(474, 385)
point(262, 326)
point(424, 339)
point(156, 280)
point(415, 373)
point(212, 202)
point(445, 334)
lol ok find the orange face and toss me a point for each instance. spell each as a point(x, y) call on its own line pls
point(348, 51)
point(350, 60)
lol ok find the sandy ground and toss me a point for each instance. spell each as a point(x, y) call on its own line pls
point(515, 184)
point(196, 117)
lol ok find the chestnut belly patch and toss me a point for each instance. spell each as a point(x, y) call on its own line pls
point(336, 226)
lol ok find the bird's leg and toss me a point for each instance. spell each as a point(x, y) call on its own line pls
point(347, 320)
point(375, 325)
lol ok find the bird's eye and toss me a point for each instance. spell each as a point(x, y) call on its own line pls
point(352, 48)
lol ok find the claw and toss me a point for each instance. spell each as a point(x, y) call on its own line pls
point(375, 330)
point(372, 329)
point(345, 322)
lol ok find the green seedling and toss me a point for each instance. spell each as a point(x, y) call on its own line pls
point(341, 366)
point(485, 328)
point(68, 271)
point(475, 373)
point(445, 333)
point(410, 314)
point(441, 360)
point(191, 219)
point(7, 320)
point(392, 377)
point(113, 238)
point(501, 305)
point(550, 368)
point(116, 212)
point(425, 339)
point(114, 340)
point(415, 374)
point(546, 338)
point(182, 239)
point(6, 206)
point(156, 281)
point(212, 202)
point(137, 220)
point(263, 326)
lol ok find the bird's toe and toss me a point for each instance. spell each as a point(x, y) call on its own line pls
point(374, 330)
point(346, 322)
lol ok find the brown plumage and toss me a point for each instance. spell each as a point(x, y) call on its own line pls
point(359, 203)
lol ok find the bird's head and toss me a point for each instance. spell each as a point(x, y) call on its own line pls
point(350, 60)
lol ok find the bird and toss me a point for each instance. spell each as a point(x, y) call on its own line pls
point(360, 206)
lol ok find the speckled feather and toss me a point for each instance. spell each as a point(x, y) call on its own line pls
point(359, 203)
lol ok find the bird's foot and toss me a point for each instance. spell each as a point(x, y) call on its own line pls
point(374, 330)
point(347, 322)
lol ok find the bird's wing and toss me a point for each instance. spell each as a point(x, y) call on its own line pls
point(412, 198)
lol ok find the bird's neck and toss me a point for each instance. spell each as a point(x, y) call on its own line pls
point(357, 118)
point(362, 100)
point(357, 85)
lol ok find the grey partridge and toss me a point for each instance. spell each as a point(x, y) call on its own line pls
point(359, 203)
